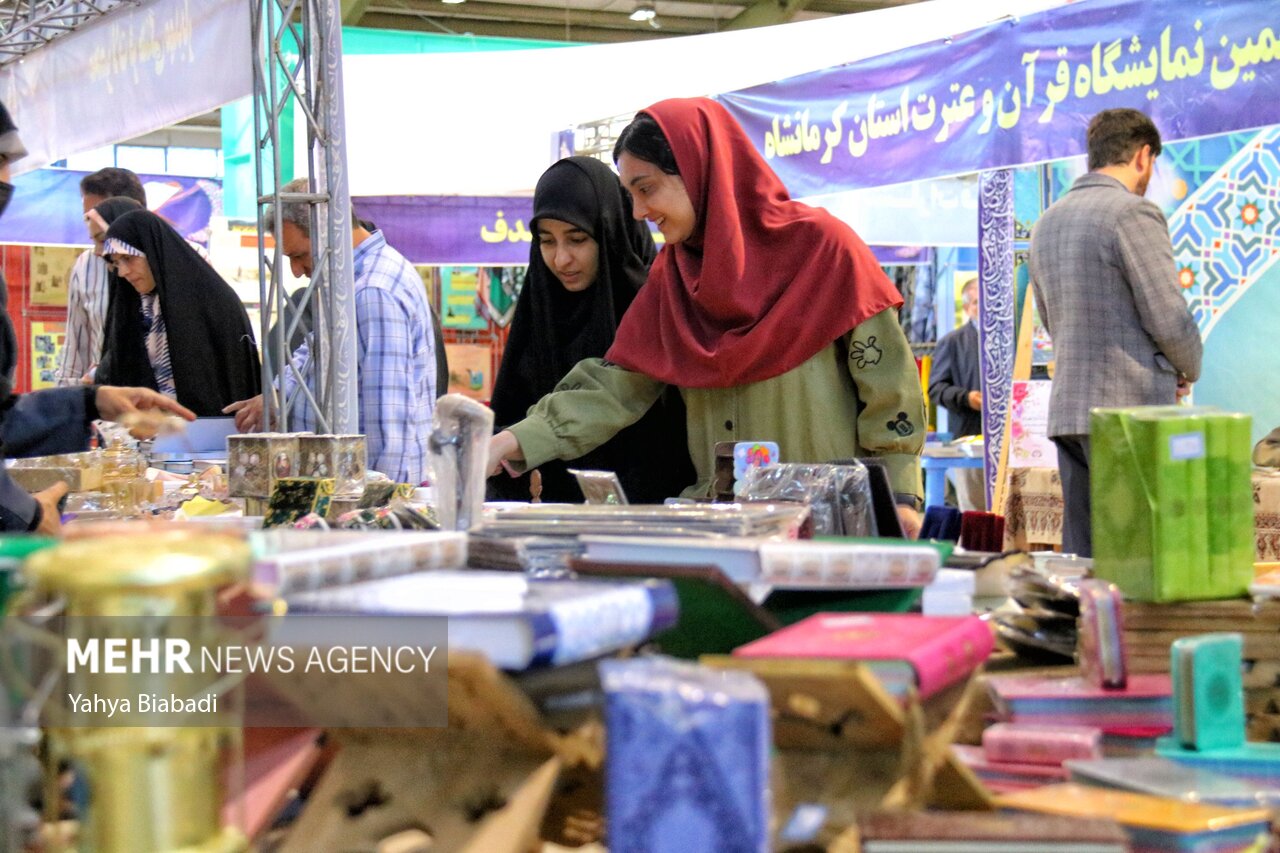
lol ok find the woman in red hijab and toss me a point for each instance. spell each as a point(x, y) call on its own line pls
point(772, 318)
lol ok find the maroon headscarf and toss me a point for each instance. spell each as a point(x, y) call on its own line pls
point(775, 281)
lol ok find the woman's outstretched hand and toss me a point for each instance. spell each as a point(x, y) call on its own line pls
point(502, 447)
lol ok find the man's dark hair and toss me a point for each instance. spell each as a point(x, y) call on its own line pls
point(644, 139)
point(1114, 136)
point(111, 182)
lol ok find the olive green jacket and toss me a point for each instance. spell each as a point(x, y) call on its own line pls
point(859, 397)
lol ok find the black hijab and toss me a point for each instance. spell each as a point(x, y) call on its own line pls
point(553, 329)
point(215, 361)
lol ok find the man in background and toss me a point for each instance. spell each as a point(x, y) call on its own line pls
point(87, 291)
point(955, 383)
point(397, 357)
point(1106, 287)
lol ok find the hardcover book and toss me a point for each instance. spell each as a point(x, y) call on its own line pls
point(988, 832)
point(930, 652)
point(515, 622)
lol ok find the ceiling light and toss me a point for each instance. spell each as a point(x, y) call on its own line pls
point(453, 2)
point(644, 12)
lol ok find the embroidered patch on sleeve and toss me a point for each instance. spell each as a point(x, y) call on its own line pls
point(902, 426)
point(866, 354)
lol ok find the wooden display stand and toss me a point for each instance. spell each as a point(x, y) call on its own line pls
point(480, 784)
point(845, 743)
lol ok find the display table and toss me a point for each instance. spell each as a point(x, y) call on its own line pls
point(935, 474)
point(1033, 510)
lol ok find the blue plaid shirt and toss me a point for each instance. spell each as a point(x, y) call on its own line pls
point(396, 363)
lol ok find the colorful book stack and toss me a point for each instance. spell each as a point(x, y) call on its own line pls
point(1150, 629)
point(688, 751)
point(1154, 824)
point(1143, 708)
point(1015, 756)
point(903, 650)
point(1159, 474)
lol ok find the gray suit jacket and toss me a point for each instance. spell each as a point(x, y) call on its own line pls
point(1104, 281)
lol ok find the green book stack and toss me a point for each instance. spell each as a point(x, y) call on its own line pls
point(1172, 503)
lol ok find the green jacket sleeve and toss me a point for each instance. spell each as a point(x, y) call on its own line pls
point(591, 404)
point(892, 422)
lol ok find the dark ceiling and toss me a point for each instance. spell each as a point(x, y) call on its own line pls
point(594, 21)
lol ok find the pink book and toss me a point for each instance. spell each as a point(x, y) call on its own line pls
point(1144, 702)
point(930, 651)
point(1032, 744)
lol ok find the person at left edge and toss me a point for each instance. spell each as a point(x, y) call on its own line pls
point(56, 420)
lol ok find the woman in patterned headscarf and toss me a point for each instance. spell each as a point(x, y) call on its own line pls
point(174, 324)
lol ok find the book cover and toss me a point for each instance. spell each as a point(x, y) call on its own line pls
point(737, 557)
point(716, 616)
point(514, 621)
point(1163, 777)
point(1032, 744)
point(689, 750)
point(941, 650)
point(1138, 811)
point(912, 832)
point(1144, 703)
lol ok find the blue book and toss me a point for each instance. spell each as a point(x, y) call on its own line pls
point(688, 766)
point(514, 621)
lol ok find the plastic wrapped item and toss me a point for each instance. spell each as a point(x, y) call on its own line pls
point(600, 487)
point(783, 520)
point(688, 754)
point(838, 496)
point(296, 497)
point(289, 560)
point(459, 450)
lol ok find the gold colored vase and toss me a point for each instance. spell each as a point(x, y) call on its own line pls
point(152, 789)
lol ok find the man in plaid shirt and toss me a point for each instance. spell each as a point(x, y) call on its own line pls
point(397, 353)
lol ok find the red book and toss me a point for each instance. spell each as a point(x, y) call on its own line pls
point(931, 651)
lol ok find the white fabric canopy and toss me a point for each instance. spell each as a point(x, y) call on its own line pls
point(482, 124)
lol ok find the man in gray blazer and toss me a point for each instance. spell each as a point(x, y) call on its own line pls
point(1104, 281)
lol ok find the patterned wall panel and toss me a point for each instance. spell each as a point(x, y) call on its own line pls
point(1227, 234)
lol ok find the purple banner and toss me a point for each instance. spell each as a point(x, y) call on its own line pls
point(487, 231)
point(1019, 91)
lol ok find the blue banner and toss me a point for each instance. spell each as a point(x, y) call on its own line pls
point(1019, 91)
point(47, 208)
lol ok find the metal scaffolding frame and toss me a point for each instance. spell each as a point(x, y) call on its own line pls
point(26, 25)
point(298, 61)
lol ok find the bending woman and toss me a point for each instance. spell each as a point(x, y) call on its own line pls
point(772, 318)
point(587, 263)
point(173, 324)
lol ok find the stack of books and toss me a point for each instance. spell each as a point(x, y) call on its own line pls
point(1150, 629)
point(1141, 711)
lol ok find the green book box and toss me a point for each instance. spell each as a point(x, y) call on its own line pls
point(1172, 502)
